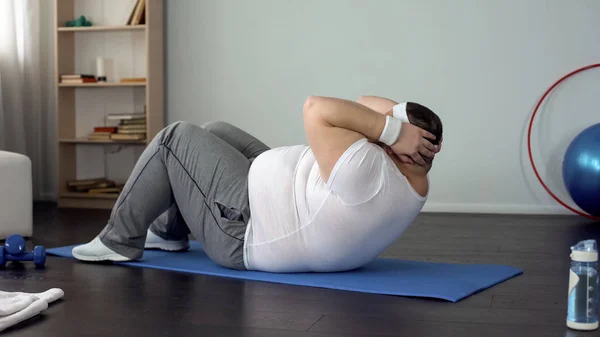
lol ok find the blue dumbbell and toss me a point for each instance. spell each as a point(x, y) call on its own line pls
point(14, 250)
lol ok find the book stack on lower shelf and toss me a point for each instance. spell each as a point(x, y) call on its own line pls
point(94, 186)
point(131, 127)
point(77, 78)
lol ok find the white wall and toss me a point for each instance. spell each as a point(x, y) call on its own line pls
point(481, 65)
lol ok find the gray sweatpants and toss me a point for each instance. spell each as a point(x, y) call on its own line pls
point(189, 179)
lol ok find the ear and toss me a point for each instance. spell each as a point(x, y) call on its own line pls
point(402, 158)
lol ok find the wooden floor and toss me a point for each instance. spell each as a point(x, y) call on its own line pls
point(107, 300)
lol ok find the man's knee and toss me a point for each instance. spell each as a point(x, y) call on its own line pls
point(215, 127)
point(177, 130)
point(181, 125)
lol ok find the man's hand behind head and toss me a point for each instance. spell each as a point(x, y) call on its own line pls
point(415, 143)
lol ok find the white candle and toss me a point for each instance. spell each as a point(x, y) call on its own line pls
point(100, 72)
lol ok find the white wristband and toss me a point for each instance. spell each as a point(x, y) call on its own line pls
point(399, 111)
point(391, 131)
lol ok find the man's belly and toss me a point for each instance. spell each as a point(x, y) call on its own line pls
point(272, 197)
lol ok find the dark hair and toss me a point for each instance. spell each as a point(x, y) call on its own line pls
point(426, 119)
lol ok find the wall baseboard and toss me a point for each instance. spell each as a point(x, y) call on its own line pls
point(434, 207)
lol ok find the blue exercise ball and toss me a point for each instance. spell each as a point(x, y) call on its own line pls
point(581, 170)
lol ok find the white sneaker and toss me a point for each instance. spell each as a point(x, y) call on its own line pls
point(95, 250)
point(154, 241)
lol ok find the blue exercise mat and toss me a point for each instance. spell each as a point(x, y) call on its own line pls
point(451, 282)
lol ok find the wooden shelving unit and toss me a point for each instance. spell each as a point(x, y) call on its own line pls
point(74, 53)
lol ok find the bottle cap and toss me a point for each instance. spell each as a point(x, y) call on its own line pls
point(585, 251)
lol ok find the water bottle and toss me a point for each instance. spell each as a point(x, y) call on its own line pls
point(583, 286)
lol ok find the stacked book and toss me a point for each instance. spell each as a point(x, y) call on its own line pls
point(131, 126)
point(77, 78)
point(102, 133)
point(137, 12)
point(94, 186)
point(133, 80)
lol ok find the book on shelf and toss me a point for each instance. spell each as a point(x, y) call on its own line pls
point(133, 122)
point(138, 13)
point(84, 185)
point(133, 80)
point(131, 5)
point(76, 76)
point(138, 126)
point(109, 129)
point(99, 136)
point(131, 131)
point(94, 186)
point(127, 116)
point(79, 81)
point(83, 182)
point(87, 189)
point(102, 132)
point(122, 136)
point(106, 190)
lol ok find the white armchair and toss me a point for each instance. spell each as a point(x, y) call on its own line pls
point(16, 201)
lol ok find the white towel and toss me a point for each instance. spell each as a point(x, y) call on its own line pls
point(16, 307)
point(14, 302)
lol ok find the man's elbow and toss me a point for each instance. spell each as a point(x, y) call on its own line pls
point(311, 106)
point(310, 103)
point(313, 111)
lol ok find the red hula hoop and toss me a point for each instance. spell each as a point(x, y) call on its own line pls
point(529, 141)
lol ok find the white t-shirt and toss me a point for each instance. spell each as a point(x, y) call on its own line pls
point(299, 223)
